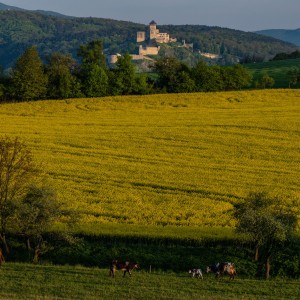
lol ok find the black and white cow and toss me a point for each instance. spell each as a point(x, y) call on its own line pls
point(196, 273)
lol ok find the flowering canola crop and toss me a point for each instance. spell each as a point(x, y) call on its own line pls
point(180, 159)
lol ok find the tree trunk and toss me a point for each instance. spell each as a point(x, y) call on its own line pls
point(37, 254)
point(268, 267)
point(256, 256)
point(3, 239)
point(28, 245)
point(37, 251)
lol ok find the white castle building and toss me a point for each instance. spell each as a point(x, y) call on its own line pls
point(154, 34)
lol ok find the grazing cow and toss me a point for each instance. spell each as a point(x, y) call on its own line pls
point(222, 268)
point(213, 268)
point(196, 273)
point(230, 270)
point(126, 266)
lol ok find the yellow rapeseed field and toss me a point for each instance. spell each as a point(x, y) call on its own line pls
point(163, 159)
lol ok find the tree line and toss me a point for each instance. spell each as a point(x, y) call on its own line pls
point(62, 77)
point(284, 56)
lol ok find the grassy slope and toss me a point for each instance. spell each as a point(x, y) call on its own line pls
point(21, 281)
point(276, 69)
point(163, 159)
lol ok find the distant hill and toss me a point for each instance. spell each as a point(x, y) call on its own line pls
point(8, 7)
point(20, 29)
point(4, 7)
point(290, 36)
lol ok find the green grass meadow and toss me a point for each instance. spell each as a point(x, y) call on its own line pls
point(177, 160)
point(276, 69)
point(24, 281)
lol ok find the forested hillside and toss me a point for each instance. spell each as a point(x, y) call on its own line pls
point(229, 43)
point(22, 29)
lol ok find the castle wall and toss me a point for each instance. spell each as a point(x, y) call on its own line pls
point(148, 50)
point(210, 55)
point(137, 57)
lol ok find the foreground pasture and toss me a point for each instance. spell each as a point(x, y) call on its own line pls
point(163, 159)
point(22, 281)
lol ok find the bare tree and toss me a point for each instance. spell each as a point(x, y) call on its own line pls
point(17, 172)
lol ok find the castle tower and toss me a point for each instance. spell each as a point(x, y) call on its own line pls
point(140, 36)
point(153, 30)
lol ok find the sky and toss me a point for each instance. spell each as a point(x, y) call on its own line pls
point(246, 15)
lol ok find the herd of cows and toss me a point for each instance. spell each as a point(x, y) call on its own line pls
point(219, 269)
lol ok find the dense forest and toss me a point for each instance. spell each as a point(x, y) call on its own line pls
point(61, 76)
point(20, 30)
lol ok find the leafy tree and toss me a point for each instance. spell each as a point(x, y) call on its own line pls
point(93, 71)
point(17, 172)
point(185, 83)
point(62, 83)
point(267, 222)
point(94, 80)
point(265, 82)
point(207, 79)
point(37, 211)
point(236, 77)
point(92, 53)
point(115, 83)
point(142, 86)
point(5, 85)
point(169, 71)
point(2, 86)
point(124, 76)
point(28, 78)
point(2, 91)
point(293, 75)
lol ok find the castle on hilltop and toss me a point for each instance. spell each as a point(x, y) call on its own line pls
point(152, 38)
point(148, 43)
point(155, 35)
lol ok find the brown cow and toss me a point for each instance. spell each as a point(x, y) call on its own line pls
point(126, 266)
point(231, 271)
point(222, 268)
